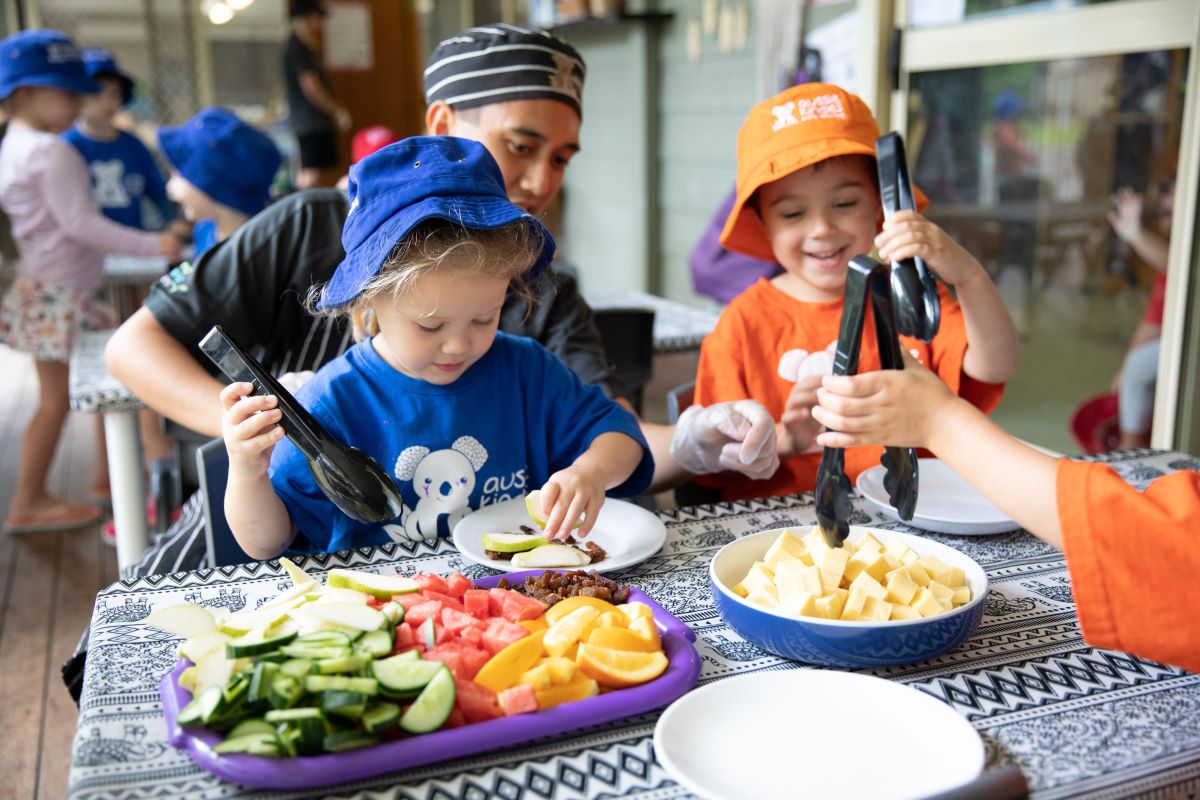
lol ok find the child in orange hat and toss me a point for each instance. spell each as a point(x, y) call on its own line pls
point(808, 198)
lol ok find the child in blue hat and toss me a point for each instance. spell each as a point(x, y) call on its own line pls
point(221, 172)
point(462, 416)
point(62, 240)
point(122, 168)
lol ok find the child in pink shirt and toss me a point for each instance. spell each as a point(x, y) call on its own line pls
point(62, 239)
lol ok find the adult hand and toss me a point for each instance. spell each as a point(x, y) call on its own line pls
point(1126, 214)
point(738, 436)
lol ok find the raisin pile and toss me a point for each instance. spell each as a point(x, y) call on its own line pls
point(552, 587)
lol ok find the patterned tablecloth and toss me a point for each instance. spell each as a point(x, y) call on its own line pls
point(1080, 722)
point(92, 388)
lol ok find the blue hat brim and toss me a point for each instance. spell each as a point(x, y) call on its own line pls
point(126, 84)
point(69, 83)
point(476, 213)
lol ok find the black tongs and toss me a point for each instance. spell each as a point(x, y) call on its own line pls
point(350, 478)
point(904, 299)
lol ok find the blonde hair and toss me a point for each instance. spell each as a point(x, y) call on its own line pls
point(439, 245)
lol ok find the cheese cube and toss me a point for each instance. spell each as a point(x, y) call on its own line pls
point(785, 548)
point(892, 561)
point(937, 569)
point(901, 611)
point(917, 574)
point(868, 540)
point(764, 596)
point(909, 558)
point(872, 587)
point(856, 599)
point(900, 587)
point(962, 596)
point(877, 610)
point(944, 594)
point(830, 606)
point(760, 575)
point(868, 560)
point(814, 542)
point(956, 578)
point(801, 605)
point(833, 566)
point(740, 590)
point(900, 550)
point(793, 578)
point(926, 604)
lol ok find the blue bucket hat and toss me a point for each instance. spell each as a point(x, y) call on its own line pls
point(230, 161)
point(395, 189)
point(42, 57)
point(99, 62)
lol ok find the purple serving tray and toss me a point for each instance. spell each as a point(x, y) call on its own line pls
point(309, 771)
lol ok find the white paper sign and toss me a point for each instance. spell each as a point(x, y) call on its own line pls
point(348, 36)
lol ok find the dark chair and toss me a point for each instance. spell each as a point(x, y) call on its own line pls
point(628, 337)
point(212, 464)
point(678, 399)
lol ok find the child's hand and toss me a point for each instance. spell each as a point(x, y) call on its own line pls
point(249, 435)
point(569, 494)
point(797, 428)
point(888, 407)
point(908, 234)
point(1126, 216)
point(170, 246)
point(737, 435)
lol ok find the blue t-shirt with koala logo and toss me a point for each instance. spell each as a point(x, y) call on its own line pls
point(514, 418)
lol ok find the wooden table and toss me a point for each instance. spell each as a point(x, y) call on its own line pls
point(1079, 722)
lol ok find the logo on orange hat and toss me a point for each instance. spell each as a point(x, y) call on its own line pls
point(793, 112)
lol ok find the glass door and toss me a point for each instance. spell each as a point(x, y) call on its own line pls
point(1057, 142)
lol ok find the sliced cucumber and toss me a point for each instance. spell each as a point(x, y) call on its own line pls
point(375, 644)
point(240, 648)
point(293, 714)
point(432, 707)
point(314, 653)
point(380, 716)
point(260, 682)
point(404, 674)
point(350, 705)
point(340, 683)
point(348, 740)
point(331, 666)
point(296, 668)
point(325, 639)
point(256, 744)
point(249, 726)
point(202, 707)
point(284, 692)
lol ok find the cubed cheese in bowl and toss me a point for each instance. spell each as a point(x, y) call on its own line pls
point(849, 626)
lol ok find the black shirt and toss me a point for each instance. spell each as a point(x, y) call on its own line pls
point(303, 116)
point(254, 285)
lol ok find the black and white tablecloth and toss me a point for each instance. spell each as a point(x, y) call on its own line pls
point(92, 388)
point(1079, 722)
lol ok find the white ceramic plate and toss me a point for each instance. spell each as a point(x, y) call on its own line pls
point(815, 733)
point(628, 533)
point(945, 502)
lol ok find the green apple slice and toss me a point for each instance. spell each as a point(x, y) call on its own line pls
point(334, 594)
point(183, 619)
point(552, 555)
point(292, 597)
point(513, 542)
point(294, 572)
point(199, 647)
point(242, 622)
point(533, 506)
point(351, 615)
point(381, 586)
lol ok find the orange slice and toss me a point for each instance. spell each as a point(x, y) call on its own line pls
point(635, 610)
point(534, 625)
point(645, 628)
point(619, 668)
point(612, 619)
point(568, 630)
point(564, 607)
point(621, 639)
point(581, 688)
point(503, 669)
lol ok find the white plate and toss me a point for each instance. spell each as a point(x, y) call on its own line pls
point(629, 534)
point(815, 733)
point(945, 502)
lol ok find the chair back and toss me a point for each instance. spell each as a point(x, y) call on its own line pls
point(212, 467)
point(678, 399)
point(628, 337)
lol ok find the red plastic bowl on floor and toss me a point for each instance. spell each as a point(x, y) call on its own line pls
point(1094, 424)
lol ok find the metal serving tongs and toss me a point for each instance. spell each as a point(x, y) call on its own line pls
point(350, 478)
point(914, 289)
point(866, 277)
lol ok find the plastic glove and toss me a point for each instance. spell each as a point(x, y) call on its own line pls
point(738, 436)
point(294, 380)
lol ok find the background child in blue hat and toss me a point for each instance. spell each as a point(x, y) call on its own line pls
point(123, 170)
point(62, 239)
point(221, 172)
point(461, 415)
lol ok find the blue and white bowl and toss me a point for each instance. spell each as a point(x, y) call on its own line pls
point(838, 643)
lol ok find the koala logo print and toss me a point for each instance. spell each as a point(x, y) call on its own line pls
point(443, 481)
point(785, 115)
point(109, 184)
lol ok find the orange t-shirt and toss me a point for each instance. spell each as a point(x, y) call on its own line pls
point(765, 337)
point(1134, 560)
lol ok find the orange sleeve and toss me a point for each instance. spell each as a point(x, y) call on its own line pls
point(1134, 560)
point(949, 348)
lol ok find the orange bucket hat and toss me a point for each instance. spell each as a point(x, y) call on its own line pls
point(796, 128)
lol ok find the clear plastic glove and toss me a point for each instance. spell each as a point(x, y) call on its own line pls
point(738, 436)
point(294, 380)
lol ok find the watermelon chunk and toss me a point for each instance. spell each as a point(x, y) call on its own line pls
point(456, 621)
point(445, 599)
point(520, 699)
point(452, 659)
point(472, 634)
point(457, 584)
point(477, 703)
point(473, 659)
point(404, 636)
point(434, 583)
point(409, 600)
point(476, 603)
point(517, 607)
point(500, 634)
point(422, 611)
